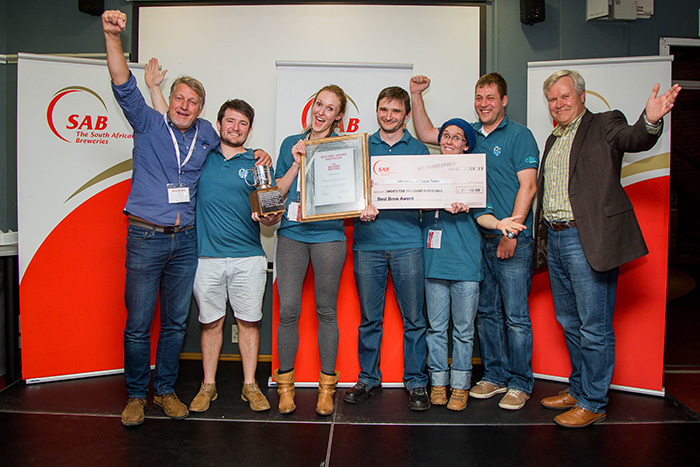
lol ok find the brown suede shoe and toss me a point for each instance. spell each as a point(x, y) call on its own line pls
point(578, 417)
point(171, 406)
point(438, 395)
point(256, 399)
point(458, 400)
point(134, 412)
point(563, 400)
point(206, 395)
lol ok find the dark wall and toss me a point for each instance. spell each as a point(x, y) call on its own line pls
point(565, 34)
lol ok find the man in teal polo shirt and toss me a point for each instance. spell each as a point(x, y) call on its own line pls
point(391, 242)
point(231, 262)
point(503, 320)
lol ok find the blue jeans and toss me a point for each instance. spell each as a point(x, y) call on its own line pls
point(463, 298)
point(371, 271)
point(503, 320)
point(584, 301)
point(156, 261)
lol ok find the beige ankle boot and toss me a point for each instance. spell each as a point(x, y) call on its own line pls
point(326, 390)
point(285, 389)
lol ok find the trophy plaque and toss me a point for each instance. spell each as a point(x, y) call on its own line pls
point(266, 199)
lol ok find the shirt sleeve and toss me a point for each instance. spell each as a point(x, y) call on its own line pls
point(527, 155)
point(140, 116)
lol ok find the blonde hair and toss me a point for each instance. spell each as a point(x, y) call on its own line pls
point(579, 83)
point(193, 84)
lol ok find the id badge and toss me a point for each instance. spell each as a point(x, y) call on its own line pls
point(434, 239)
point(178, 193)
point(294, 212)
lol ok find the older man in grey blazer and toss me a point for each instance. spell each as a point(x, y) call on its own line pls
point(587, 227)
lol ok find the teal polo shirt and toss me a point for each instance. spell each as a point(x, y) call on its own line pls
point(459, 255)
point(224, 226)
point(393, 229)
point(509, 148)
point(307, 232)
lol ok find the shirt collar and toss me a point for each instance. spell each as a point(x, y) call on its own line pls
point(573, 126)
point(479, 127)
point(248, 154)
point(377, 139)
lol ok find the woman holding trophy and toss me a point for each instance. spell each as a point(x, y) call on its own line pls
point(322, 243)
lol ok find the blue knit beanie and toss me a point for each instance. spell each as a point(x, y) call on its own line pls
point(466, 128)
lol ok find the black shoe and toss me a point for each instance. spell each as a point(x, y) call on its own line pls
point(418, 399)
point(360, 392)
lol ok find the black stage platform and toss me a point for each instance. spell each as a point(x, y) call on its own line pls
point(77, 423)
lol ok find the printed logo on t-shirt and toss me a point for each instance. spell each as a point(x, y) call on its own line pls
point(241, 172)
point(496, 151)
point(531, 160)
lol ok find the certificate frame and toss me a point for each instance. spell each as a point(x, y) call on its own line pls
point(335, 178)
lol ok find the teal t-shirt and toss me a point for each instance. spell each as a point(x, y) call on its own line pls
point(509, 148)
point(459, 255)
point(392, 229)
point(307, 232)
point(224, 226)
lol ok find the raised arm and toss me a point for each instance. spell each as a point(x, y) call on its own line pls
point(425, 131)
point(113, 24)
point(658, 106)
point(154, 77)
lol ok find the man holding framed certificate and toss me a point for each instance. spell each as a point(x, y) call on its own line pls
point(391, 242)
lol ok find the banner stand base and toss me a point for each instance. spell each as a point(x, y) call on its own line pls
point(617, 387)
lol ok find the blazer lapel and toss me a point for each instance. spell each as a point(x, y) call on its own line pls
point(578, 140)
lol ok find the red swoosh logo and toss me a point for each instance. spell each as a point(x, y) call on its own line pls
point(49, 112)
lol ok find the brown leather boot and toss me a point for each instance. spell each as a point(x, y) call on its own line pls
point(326, 390)
point(285, 389)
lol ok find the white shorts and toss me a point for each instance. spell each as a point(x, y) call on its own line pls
point(242, 279)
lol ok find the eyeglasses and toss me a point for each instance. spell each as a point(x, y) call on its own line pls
point(456, 138)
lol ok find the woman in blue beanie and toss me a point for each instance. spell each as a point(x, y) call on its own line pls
point(452, 272)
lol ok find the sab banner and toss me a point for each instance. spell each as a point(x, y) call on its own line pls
point(73, 177)
point(640, 309)
point(297, 83)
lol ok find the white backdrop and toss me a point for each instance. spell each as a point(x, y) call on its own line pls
point(233, 50)
point(298, 82)
point(52, 165)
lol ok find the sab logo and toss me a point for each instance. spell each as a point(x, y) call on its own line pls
point(380, 169)
point(347, 125)
point(83, 123)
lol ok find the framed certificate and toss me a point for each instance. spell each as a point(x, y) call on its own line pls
point(335, 182)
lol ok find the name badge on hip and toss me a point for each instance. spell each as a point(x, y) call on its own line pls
point(178, 193)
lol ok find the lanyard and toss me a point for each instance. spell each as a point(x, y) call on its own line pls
point(177, 147)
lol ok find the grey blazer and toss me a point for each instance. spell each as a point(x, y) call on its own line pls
point(605, 219)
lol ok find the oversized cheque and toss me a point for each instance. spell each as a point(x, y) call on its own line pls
point(428, 182)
